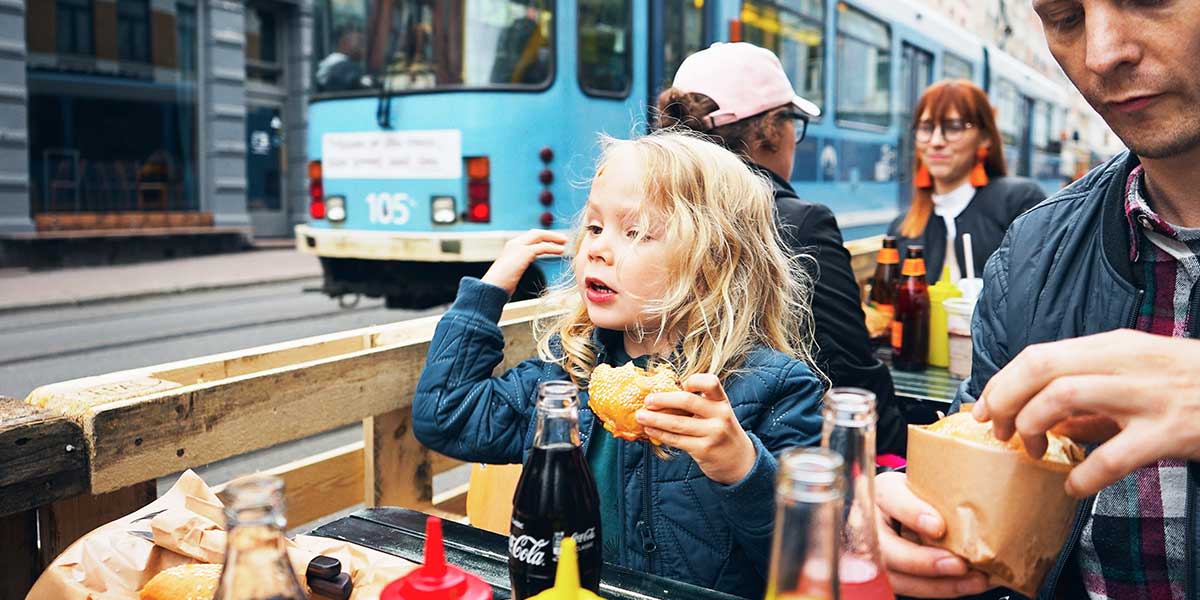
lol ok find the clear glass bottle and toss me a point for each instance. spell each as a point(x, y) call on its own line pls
point(256, 560)
point(808, 514)
point(850, 431)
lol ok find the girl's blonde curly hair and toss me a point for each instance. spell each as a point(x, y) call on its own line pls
point(732, 287)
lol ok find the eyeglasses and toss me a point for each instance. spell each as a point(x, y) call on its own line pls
point(952, 130)
point(801, 120)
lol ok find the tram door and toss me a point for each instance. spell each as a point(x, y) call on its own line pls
point(916, 74)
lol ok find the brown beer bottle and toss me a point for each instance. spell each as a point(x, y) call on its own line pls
point(910, 328)
point(884, 283)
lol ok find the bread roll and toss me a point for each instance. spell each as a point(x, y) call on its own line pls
point(964, 426)
point(616, 393)
point(185, 582)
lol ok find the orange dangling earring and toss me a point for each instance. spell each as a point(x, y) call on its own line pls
point(923, 179)
point(979, 176)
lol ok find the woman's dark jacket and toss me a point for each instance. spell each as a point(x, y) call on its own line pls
point(843, 351)
point(994, 207)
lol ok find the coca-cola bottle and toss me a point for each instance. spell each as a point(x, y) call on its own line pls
point(910, 329)
point(555, 498)
point(884, 283)
point(849, 430)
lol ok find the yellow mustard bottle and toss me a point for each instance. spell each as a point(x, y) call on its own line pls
point(939, 334)
point(566, 578)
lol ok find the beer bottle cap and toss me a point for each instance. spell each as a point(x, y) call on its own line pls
point(566, 578)
point(436, 580)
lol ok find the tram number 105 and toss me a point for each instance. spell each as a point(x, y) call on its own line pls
point(389, 209)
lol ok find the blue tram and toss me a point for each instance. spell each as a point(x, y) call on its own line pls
point(439, 129)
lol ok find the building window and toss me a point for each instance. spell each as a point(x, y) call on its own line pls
point(864, 68)
point(185, 25)
point(133, 30)
point(604, 46)
point(262, 46)
point(74, 25)
point(796, 35)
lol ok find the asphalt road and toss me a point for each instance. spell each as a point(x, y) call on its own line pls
point(48, 346)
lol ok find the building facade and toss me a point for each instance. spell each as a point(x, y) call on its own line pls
point(130, 115)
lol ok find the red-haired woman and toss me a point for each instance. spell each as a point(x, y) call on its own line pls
point(961, 183)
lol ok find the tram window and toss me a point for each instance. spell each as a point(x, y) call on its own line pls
point(1006, 100)
point(1041, 124)
point(864, 68)
point(956, 67)
point(605, 68)
point(683, 34)
point(796, 35)
point(413, 45)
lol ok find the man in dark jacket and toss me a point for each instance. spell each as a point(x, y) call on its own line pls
point(1089, 321)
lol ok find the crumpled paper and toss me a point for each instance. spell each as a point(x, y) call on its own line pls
point(1006, 514)
point(111, 564)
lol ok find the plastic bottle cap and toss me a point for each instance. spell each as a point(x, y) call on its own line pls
point(566, 578)
point(943, 289)
point(436, 580)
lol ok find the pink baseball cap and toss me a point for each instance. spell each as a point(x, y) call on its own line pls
point(743, 79)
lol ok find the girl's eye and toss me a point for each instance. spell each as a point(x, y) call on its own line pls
point(594, 229)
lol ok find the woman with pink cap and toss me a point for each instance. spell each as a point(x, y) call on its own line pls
point(739, 96)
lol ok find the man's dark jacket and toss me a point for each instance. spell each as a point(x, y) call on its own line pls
point(986, 218)
point(843, 348)
point(1063, 271)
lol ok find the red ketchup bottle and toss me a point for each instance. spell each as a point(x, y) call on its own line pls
point(436, 580)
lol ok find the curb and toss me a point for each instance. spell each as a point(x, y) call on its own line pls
point(18, 307)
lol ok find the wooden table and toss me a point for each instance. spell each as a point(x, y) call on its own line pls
point(401, 532)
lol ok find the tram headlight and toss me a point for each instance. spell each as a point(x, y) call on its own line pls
point(335, 209)
point(443, 210)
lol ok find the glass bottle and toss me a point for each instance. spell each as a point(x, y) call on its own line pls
point(556, 498)
point(884, 283)
point(910, 329)
point(256, 559)
point(808, 514)
point(850, 431)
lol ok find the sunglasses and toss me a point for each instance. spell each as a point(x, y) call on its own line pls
point(952, 129)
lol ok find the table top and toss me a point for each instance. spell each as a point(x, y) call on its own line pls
point(401, 532)
point(931, 385)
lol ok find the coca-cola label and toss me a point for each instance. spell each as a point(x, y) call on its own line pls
point(532, 550)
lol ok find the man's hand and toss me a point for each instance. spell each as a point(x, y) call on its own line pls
point(915, 570)
point(1143, 390)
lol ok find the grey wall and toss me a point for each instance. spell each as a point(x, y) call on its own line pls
point(299, 57)
point(223, 116)
point(14, 120)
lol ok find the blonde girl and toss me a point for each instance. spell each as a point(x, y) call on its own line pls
point(676, 258)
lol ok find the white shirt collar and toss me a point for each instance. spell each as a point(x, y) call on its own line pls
point(952, 203)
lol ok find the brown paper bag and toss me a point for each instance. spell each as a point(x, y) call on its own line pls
point(1006, 513)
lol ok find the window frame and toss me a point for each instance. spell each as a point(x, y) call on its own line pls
point(839, 72)
point(374, 91)
point(141, 25)
point(948, 57)
point(74, 9)
point(609, 94)
point(821, 25)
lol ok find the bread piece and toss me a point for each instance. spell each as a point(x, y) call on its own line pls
point(616, 393)
point(964, 426)
point(185, 582)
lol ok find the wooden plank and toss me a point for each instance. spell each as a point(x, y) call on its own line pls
point(42, 457)
point(398, 469)
point(19, 541)
point(489, 499)
point(440, 463)
point(65, 521)
point(863, 254)
point(139, 424)
point(321, 484)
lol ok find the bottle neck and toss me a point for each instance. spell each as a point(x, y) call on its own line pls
point(805, 548)
point(850, 431)
point(557, 415)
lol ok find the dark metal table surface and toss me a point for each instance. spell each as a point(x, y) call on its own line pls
point(922, 394)
point(401, 532)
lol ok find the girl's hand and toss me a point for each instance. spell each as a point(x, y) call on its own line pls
point(519, 253)
point(707, 429)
